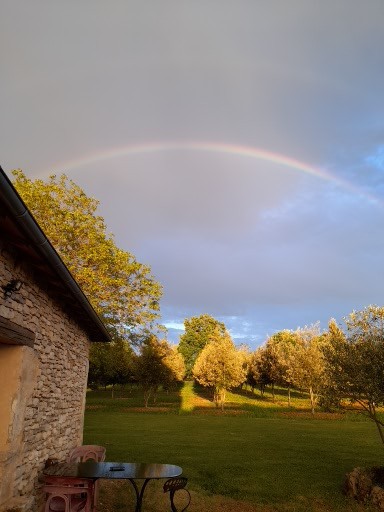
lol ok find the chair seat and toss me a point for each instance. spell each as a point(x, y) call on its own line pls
point(76, 504)
point(67, 494)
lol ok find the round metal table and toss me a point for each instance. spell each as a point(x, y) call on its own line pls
point(131, 471)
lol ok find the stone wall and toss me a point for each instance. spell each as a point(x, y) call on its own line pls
point(42, 389)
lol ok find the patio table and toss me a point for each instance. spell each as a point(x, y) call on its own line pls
point(131, 471)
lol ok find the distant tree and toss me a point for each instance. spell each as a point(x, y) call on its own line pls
point(157, 364)
point(198, 330)
point(355, 361)
point(283, 343)
point(330, 395)
point(174, 360)
point(306, 361)
point(369, 320)
point(250, 378)
point(122, 290)
point(110, 364)
point(120, 362)
point(270, 365)
point(245, 355)
point(264, 368)
point(256, 377)
point(220, 366)
point(98, 374)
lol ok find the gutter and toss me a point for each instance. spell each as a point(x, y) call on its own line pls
point(32, 230)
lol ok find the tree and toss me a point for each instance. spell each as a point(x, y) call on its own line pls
point(175, 362)
point(157, 364)
point(256, 376)
point(369, 320)
point(283, 343)
point(270, 365)
point(355, 361)
point(245, 355)
point(198, 330)
point(220, 366)
point(306, 361)
point(331, 397)
point(110, 363)
point(98, 374)
point(122, 290)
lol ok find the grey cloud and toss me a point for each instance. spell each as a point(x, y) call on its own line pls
point(261, 246)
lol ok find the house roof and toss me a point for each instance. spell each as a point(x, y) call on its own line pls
point(21, 232)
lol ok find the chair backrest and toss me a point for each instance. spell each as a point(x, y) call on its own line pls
point(86, 452)
point(67, 495)
point(172, 485)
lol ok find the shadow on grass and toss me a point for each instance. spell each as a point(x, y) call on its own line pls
point(246, 401)
point(207, 394)
point(131, 397)
point(118, 496)
point(280, 394)
point(246, 404)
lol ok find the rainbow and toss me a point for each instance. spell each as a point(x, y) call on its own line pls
point(209, 147)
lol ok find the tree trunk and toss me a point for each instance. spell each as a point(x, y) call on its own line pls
point(147, 394)
point(312, 395)
point(380, 429)
point(289, 396)
point(216, 397)
point(222, 398)
point(373, 415)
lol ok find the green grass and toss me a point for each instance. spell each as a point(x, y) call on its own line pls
point(187, 396)
point(255, 456)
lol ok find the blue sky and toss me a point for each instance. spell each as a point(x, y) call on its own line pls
point(89, 88)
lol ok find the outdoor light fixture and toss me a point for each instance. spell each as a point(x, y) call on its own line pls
point(13, 286)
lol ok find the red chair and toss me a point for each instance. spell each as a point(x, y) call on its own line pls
point(87, 452)
point(67, 494)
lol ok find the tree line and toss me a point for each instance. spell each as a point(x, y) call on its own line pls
point(333, 366)
point(337, 366)
point(154, 364)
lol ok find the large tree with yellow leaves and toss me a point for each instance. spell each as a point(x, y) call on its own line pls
point(220, 366)
point(122, 290)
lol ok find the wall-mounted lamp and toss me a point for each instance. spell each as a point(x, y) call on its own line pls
point(12, 286)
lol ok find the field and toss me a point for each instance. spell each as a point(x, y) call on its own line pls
point(257, 455)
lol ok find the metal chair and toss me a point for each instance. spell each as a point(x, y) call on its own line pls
point(86, 452)
point(172, 485)
point(67, 495)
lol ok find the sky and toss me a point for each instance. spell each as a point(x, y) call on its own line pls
point(236, 147)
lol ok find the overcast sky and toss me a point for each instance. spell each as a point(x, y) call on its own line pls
point(236, 147)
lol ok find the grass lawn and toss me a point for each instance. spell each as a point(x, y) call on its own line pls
point(269, 458)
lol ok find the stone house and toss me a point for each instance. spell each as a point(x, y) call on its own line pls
point(46, 327)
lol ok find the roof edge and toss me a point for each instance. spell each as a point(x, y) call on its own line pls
point(30, 227)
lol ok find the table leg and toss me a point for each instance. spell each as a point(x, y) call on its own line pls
point(139, 494)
